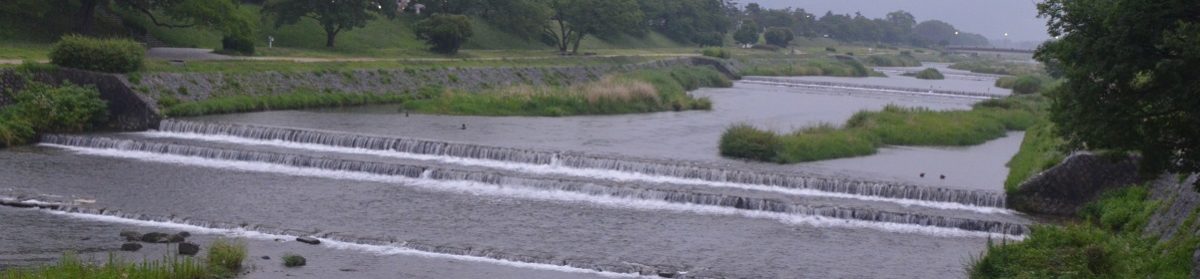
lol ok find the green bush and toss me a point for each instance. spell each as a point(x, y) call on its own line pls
point(1027, 85)
point(717, 53)
point(747, 142)
point(14, 130)
point(1111, 244)
point(444, 33)
point(237, 44)
point(66, 108)
point(929, 73)
point(104, 55)
point(893, 60)
point(824, 142)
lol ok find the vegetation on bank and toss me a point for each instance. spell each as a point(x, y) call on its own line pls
point(1040, 150)
point(224, 261)
point(104, 55)
point(295, 100)
point(1024, 84)
point(1108, 243)
point(893, 60)
point(637, 92)
point(927, 73)
point(42, 108)
point(984, 66)
point(821, 66)
point(867, 131)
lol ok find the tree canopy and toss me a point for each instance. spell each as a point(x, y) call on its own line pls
point(1132, 71)
point(573, 20)
point(445, 33)
point(334, 16)
point(221, 15)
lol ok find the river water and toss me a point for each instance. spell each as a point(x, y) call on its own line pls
point(418, 196)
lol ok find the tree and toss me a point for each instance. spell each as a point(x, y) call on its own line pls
point(334, 16)
point(523, 18)
point(444, 33)
point(575, 19)
point(698, 21)
point(1132, 78)
point(779, 36)
point(221, 15)
point(747, 34)
point(934, 32)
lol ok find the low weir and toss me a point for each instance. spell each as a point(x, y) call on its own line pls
point(675, 169)
point(594, 188)
point(851, 86)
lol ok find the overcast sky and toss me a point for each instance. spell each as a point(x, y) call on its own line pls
point(991, 18)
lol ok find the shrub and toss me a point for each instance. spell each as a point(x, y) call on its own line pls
point(293, 260)
point(227, 255)
point(893, 61)
point(238, 44)
point(1027, 85)
point(717, 53)
point(444, 33)
point(66, 108)
point(929, 73)
point(779, 36)
point(104, 55)
point(746, 141)
point(747, 34)
point(14, 130)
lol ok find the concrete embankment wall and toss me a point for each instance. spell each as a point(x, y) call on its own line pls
point(133, 99)
point(1179, 205)
point(1076, 181)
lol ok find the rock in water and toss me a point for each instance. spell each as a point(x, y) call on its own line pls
point(131, 235)
point(131, 246)
point(309, 240)
point(184, 234)
point(187, 248)
point(266, 257)
point(155, 237)
point(175, 238)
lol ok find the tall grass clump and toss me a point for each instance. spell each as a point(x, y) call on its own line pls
point(637, 92)
point(809, 67)
point(226, 255)
point(70, 266)
point(893, 60)
point(747, 142)
point(1040, 150)
point(1108, 243)
point(104, 55)
point(866, 131)
point(295, 100)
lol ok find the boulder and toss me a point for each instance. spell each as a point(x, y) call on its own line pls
point(266, 257)
point(184, 234)
point(131, 235)
point(175, 238)
point(309, 240)
point(131, 246)
point(155, 237)
point(188, 248)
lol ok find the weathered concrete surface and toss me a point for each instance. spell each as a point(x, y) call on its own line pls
point(1179, 204)
point(1079, 179)
point(127, 110)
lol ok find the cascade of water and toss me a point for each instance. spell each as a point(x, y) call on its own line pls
point(620, 190)
point(686, 170)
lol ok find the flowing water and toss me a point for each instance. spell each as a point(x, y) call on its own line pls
point(528, 197)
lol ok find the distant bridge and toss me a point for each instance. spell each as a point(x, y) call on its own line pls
point(987, 49)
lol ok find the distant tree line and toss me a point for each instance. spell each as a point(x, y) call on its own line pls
point(563, 24)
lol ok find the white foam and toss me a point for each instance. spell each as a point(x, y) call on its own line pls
point(476, 188)
point(569, 171)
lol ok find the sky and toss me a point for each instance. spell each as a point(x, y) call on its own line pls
point(990, 18)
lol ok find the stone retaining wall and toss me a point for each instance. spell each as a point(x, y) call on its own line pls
point(1079, 179)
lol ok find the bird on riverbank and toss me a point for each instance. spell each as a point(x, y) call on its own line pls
point(464, 126)
point(922, 175)
point(943, 177)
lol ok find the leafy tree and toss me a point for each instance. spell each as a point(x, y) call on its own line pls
point(221, 15)
point(573, 20)
point(779, 36)
point(747, 34)
point(934, 32)
point(697, 21)
point(334, 16)
point(1132, 78)
point(444, 33)
point(523, 18)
